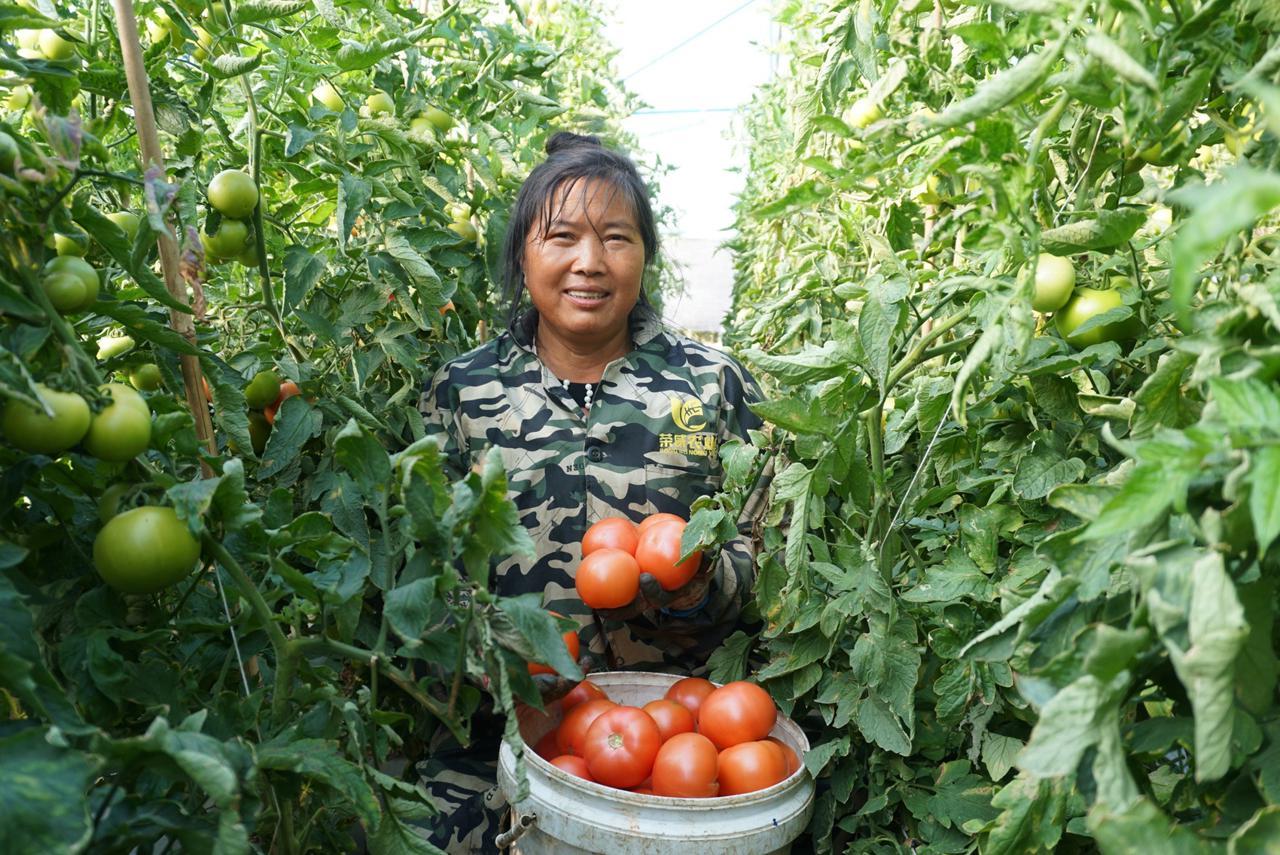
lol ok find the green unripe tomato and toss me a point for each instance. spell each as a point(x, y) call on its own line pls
point(1085, 304)
point(68, 245)
point(422, 125)
point(249, 258)
point(65, 291)
point(30, 430)
point(233, 193)
point(127, 222)
point(122, 430)
point(1055, 280)
point(55, 47)
point(146, 377)
point(438, 118)
point(231, 239)
point(145, 550)
point(109, 501)
point(380, 104)
point(259, 432)
point(262, 389)
point(458, 211)
point(328, 96)
point(464, 230)
point(110, 346)
point(862, 112)
point(28, 40)
point(82, 269)
point(8, 152)
point(19, 98)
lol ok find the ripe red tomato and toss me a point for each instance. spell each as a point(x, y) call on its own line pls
point(643, 791)
point(580, 694)
point(653, 519)
point(546, 748)
point(749, 766)
point(570, 641)
point(608, 579)
point(573, 730)
point(620, 746)
point(789, 756)
point(671, 717)
point(686, 767)
point(658, 552)
point(690, 693)
point(573, 765)
point(737, 712)
point(610, 533)
point(287, 390)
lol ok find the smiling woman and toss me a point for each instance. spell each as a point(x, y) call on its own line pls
point(597, 411)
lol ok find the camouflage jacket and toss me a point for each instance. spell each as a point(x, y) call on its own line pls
point(648, 444)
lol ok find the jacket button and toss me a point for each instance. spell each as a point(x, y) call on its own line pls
point(595, 454)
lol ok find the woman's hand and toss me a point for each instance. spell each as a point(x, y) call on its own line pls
point(652, 596)
point(553, 687)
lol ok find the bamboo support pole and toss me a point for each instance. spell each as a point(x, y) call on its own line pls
point(149, 141)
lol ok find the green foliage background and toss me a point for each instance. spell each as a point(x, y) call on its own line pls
point(1024, 595)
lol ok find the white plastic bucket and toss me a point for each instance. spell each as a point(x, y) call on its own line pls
point(566, 815)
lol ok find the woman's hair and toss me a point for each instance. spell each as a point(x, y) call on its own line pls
point(572, 161)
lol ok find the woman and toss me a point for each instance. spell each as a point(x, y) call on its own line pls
point(598, 411)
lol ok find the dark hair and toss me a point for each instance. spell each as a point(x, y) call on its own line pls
point(571, 159)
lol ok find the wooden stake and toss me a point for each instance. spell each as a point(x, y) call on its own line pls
point(149, 140)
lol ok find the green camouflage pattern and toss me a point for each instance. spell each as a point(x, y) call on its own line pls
point(648, 444)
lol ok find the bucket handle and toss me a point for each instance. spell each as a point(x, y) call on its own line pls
point(517, 830)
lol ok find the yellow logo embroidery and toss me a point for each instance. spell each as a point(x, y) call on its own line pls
point(687, 413)
point(691, 444)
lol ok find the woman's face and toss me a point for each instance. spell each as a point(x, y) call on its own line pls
point(583, 274)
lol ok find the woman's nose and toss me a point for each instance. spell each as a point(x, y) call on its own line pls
point(589, 257)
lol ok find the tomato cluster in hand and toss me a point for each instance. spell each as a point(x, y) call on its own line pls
point(616, 551)
point(698, 741)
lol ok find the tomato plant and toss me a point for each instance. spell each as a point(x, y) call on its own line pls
point(620, 746)
point(992, 554)
point(334, 620)
point(572, 648)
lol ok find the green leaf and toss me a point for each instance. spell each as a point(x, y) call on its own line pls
point(729, 661)
point(1259, 836)
point(812, 363)
point(1104, 48)
point(1246, 405)
point(320, 761)
point(1160, 400)
point(43, 807)
point(228, 65)
point(1264, 495)
point(366, 461)
point(142, 324)
point(1150, 489)
point(1068, 726)
point(1217, 632)
point(878, 724)
point(409, 608)
point(353, 195)
point(256, 11)
point(1002, 89)
point(1104, 230)
point(1043, 470)
point(542, 637)
point(302, 270)
point(999, 754)
point(1219, 210)
point(1141, 830)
